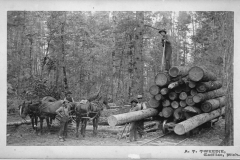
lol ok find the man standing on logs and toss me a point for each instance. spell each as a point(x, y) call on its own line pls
point(167, 50)
point(136, 126)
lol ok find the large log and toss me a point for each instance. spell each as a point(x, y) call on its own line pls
point(183, 95)
point(178, 71)
point(193, 122)
point(154, 90)
point(164, 91)
point(167, 112)
point(162, 79)
point(131, 116)
point(153, 103)
point(208, 86)
point(172, 95)
point(197, 74)
point(18, 123)
point(213, 104)
point(174, 104)
point(189, 101)
point(200, 97)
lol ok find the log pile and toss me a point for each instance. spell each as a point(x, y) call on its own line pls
point(183, 97)
point(184, 92)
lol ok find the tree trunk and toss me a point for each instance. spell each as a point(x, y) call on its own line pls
point(208, 86)
point(138, 55)
point(200, 97)
point(213, 104)
point(192, 109)
point(131, 116)
point(193, 122)
point(65, 82)
point(197, 74)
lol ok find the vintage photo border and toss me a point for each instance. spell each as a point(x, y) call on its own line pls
point(115, 151)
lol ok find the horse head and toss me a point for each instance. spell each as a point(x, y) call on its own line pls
point(24, 109)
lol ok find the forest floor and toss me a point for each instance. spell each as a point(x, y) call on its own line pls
point(24, 135)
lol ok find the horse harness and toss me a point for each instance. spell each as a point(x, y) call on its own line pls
point(91, 111)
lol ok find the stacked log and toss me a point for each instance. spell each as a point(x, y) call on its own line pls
point(179, 95)
point(184, 92)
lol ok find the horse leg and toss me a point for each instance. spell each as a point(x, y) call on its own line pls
point(95, 123)
point(32, 121)
point(48, 124)
point(36, 122)
point(77, 126)
point(41, 125)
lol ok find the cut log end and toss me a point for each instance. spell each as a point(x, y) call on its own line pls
point(158, 97)
point(175, 104)
point(206, 107)
point(196, 74)
point(154, 90)
point(162, 79)
point(173, 72)
point(179, 129)
point(167, 112)
point(189, 101)
point(197, 98)
point(112, 121)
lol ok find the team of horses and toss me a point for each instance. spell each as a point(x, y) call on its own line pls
point(46, 109)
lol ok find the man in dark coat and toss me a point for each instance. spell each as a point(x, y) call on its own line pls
point(167, 49)
point(137, 127)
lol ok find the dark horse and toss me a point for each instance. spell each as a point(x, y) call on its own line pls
point(85, 111)
point(44, 109)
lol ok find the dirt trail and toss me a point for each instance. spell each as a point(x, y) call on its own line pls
point(24, 135)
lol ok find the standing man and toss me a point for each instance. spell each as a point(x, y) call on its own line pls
point(167, 49)
point(136, 126)
point(63, 112)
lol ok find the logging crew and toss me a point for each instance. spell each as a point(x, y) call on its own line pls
point(168, 49)
point(137, 127)
point(63, 112)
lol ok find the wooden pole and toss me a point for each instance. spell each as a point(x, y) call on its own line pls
point(114, 120)
point(197, 74)
point(213, 104)
point(193, 122)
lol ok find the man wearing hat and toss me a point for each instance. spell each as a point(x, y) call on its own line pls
point(68, 97)
point(136, 126)
point(167, 49)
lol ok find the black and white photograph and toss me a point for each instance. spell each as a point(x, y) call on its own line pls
point(132, 81)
